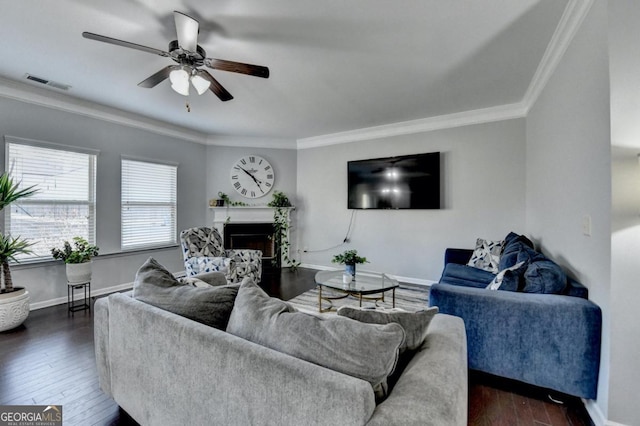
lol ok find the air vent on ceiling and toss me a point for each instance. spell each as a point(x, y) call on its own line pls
point(51, 83)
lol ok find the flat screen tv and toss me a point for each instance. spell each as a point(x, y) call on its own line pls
point(405, 182)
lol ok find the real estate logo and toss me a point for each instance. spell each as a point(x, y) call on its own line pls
point(30, 415)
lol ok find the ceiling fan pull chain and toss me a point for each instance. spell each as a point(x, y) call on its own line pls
point(186, 104)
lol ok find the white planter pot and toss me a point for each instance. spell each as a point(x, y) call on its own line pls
point(14, 309)
point(79, 272)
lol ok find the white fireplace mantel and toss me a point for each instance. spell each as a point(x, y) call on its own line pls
point(244, 214)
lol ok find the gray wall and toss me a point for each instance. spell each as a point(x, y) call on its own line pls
point(568, 169)
point(624, 53)
point(220, 159)
point(46, 281)
point(483, 185)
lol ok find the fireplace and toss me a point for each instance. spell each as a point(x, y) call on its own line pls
point(256, 236)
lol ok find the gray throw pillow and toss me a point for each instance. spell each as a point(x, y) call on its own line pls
point(415, 324)
point(366, 351)
point(158, 287)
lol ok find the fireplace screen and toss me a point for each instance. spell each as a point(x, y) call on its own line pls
point(256, 236)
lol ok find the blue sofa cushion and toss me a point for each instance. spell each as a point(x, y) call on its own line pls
point(464, 275)
point(510, 279)
point(544, 276)
point(513, 237)
point(516, 250)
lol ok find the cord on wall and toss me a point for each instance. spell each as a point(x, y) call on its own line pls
point(347, 237)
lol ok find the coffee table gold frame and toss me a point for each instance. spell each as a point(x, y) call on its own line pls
point(352, 290)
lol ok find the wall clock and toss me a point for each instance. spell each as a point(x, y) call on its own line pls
point(252, 176)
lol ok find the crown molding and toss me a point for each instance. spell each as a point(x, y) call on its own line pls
point(11, 89)
point(459, 119)
point(250, 142)
point(570, 22)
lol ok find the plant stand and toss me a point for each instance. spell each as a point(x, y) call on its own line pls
point(79, 305)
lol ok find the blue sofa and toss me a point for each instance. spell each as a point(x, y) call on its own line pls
point(547, 340)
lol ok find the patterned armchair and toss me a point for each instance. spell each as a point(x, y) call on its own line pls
point(203, 251)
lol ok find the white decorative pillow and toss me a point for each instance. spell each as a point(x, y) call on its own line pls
point(497, 281)
point(486, 256)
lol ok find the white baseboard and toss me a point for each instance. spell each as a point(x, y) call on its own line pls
point(63, 300)
point(408, 280)
point(594, 411)
point(94, 293)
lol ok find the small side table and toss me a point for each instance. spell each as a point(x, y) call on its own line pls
point(78, 305)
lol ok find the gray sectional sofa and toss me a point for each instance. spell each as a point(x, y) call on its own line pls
point(165, 369)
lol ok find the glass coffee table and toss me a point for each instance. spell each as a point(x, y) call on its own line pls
point(361, 287)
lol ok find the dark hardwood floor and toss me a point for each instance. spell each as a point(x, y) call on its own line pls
point(50, 360)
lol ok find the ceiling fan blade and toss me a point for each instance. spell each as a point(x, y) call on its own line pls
point(239, 67)
point(216, 87)
point(123, 43)
point(158, 77)
point(187, 29)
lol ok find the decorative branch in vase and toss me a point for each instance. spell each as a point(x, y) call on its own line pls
point(281, 205)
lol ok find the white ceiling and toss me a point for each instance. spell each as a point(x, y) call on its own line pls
point(335, 66)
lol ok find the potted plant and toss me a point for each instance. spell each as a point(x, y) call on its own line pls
point(281, 205)
point(77, 259)
point(349, 258)
point(14, 301)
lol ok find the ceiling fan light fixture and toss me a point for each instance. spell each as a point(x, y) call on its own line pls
point(180, 81)
point(201, 84)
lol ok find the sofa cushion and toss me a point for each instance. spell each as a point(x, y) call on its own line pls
point(158, 287)
point(508, 279)
point(415, 324)
point(544, 276)
point(464, 275)
point(514, 244)
point(366, 351)
point(486, 255)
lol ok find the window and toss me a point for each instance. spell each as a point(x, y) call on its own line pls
point(64, 206)
point(148, 204)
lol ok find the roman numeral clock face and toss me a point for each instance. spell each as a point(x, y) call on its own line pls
point(252, 176)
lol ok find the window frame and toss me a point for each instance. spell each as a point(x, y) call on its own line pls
point(173, 205)
point(30, 201)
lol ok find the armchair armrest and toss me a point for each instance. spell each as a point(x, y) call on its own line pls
point(457, 255)
point(547, 340)
point(248, 263)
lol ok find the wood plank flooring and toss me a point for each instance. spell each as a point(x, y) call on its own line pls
point(50, 360)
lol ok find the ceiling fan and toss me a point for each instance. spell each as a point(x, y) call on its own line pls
point(189, 56)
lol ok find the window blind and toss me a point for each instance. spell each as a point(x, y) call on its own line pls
point(148, 204)
point(63, 207)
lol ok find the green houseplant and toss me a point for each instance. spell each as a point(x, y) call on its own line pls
point(14, 301)
point(349, 258)
point(77, 259)
point(281, 204)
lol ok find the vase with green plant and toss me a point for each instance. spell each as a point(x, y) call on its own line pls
point(350, 259)
point(14, 301)
point(77, 259)
point(281, 205)
point(226, 201)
